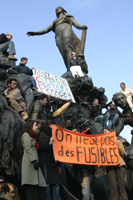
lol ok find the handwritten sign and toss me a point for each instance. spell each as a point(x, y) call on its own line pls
point(76, 148)
point(52, 85)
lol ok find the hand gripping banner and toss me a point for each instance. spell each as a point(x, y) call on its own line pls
point(76, 148)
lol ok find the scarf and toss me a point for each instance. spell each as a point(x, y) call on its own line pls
point(33, 135)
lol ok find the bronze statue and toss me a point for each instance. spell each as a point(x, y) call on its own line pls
point(66, 40)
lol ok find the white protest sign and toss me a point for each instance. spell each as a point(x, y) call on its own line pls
point(52, 85)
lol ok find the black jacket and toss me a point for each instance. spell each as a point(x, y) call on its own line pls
point(21, 68)
point(74, 62)
point(49, 167)
point(3, 38)
point(97, 110)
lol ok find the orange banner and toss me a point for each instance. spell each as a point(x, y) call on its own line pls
point(76, 148)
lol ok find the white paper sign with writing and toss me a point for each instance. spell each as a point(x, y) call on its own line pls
point(52, 85)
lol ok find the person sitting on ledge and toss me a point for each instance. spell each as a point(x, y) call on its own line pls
point(6, 43)
point(75, 66)
point(128, 93)
point(13, 95)
point(114, 115)
point(96, 113)
point(21, 68)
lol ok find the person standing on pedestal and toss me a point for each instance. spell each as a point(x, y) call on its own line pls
point(75, 66)
point(6, 43)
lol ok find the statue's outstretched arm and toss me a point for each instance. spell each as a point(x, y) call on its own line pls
point(48, 29)
point(77, 25)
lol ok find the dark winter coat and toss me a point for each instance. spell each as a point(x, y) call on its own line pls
point(74, 62)
point(49, 167)
point(21, 68)
point(3, 38)
point(96, 110)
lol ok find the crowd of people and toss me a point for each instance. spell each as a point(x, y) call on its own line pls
point(39, 170)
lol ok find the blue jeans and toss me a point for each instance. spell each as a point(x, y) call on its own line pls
point(33, 82)
point(55, 192)
point(113, 121)
point(86, 184)
point(8, 45)
point(102, 119)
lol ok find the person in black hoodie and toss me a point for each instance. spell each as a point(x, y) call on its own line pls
point(6, 43)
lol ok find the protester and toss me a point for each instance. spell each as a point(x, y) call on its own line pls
point(114, 115)
point(21, 68)
point(128, 93)
point(68, 125)
point(50, 168)
point(6, 43)
point(13, 95)
point(39, 107)
point(32, 177)
point(84, 172)
point(75, 66)
point(96, 113)
point(75, 129)
point(116, 174)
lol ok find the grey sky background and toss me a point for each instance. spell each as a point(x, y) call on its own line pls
point(109, 43)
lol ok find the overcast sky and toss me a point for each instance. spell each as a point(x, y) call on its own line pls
point(109, 43)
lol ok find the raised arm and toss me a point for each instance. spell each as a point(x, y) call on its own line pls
point(77, 25)
point(42, 32)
